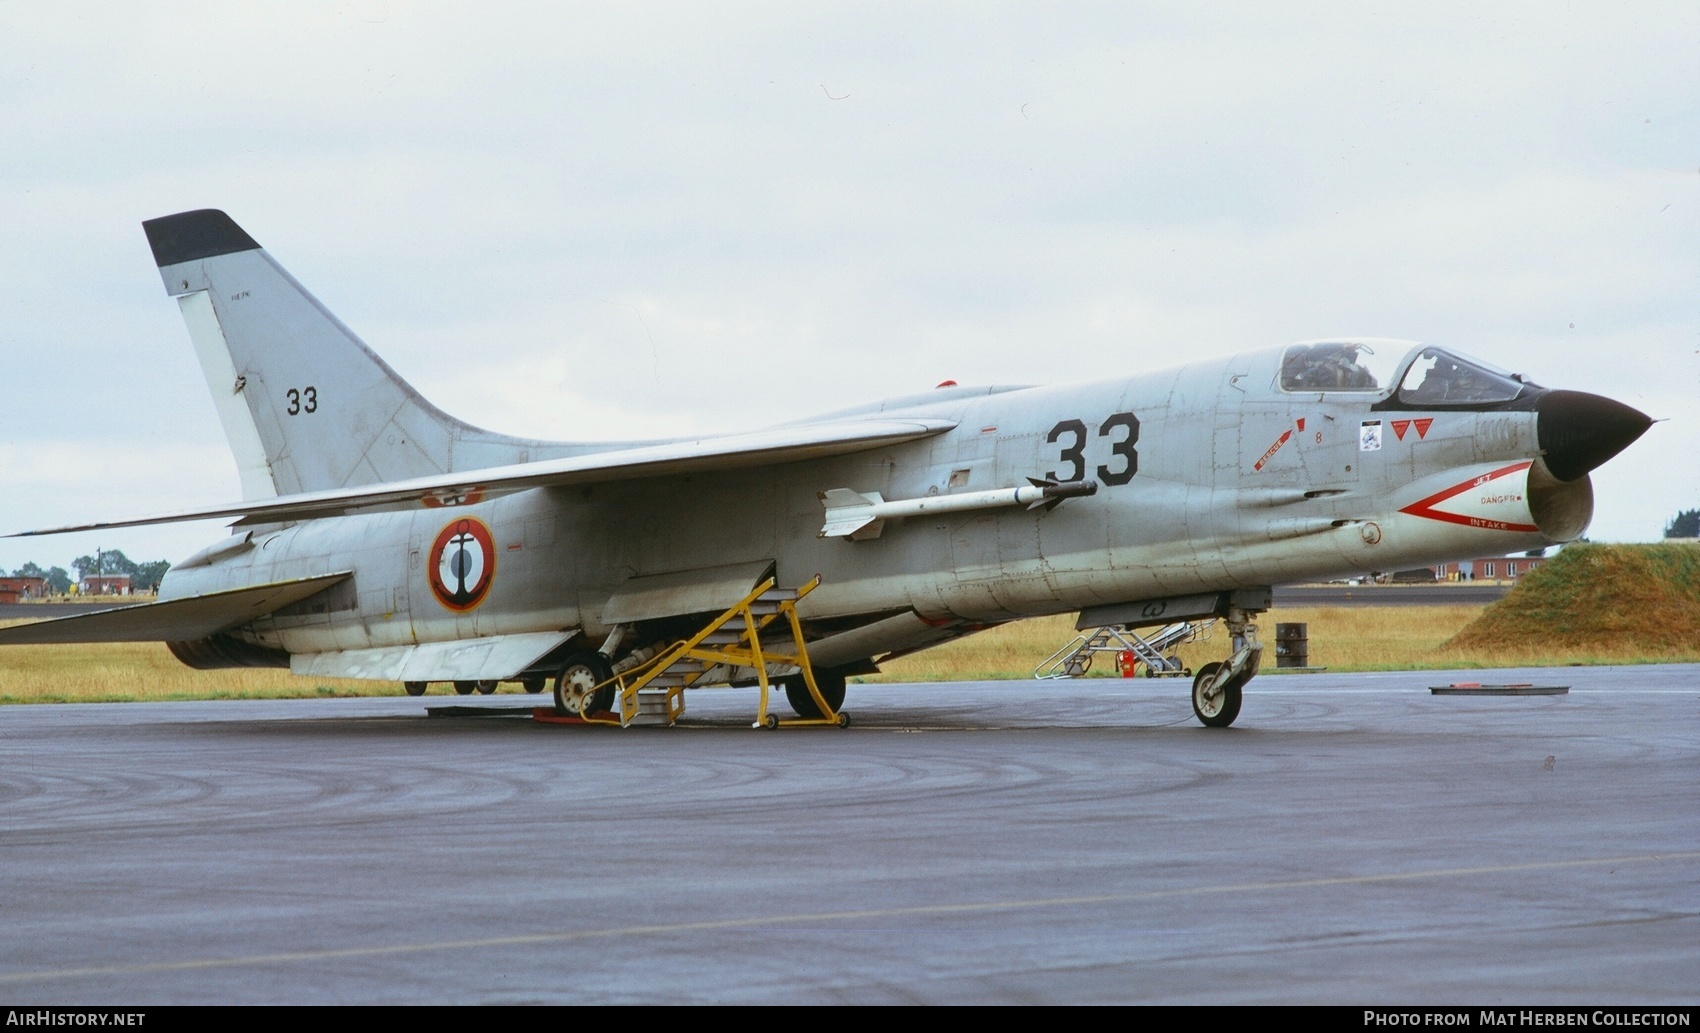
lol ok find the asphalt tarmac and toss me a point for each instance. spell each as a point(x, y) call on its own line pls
point(1353, 839)
point(1452, 593)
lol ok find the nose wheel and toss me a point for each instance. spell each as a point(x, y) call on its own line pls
point(1216, 687)
point(1215, 705)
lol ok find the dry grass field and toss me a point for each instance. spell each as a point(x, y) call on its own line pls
point(1341, 639)
point(124, 671)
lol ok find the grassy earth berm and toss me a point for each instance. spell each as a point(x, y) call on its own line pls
point(1641, 600)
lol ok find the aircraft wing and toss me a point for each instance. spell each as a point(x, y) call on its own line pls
point(730, 452)
point(174, 620)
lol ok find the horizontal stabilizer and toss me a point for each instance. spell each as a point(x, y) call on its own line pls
point(736, 451)
point(493, 658)
point(174, 620)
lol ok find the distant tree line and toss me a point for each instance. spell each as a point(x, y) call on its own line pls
point(1685, 524)
point(58, 581)
point(144, 577)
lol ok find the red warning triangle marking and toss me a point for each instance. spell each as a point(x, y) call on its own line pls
point(1400, 427)
point(1425, 507)
point(1422, 427)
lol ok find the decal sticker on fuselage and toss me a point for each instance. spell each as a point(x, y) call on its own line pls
point(1286, 436)
point(462, 564)
point(1369, 436)
point(1475, 511)
point(1401, 426)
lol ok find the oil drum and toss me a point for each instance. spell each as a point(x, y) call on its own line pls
point(1292, 645)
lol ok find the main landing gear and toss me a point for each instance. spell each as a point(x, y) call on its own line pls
point(1216, 687)
point(576, 692)
point(831, 685)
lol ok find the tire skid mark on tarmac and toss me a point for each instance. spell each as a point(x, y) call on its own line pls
point(228, 794)
point(825, 917)
point(96, 789)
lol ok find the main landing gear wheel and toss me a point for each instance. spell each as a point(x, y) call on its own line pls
point(466, 688)
point(1219, 710)
point(534, 685)
point(831, 686)
point(576, 694)
point(485, 688)
point(414, 688)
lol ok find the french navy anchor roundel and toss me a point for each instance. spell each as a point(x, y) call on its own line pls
point(462, 564)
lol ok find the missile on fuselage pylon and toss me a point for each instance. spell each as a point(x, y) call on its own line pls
point(862, 515)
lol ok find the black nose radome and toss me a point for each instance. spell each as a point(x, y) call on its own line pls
point(1579, 431)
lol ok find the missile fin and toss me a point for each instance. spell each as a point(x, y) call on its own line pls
point(850, 514)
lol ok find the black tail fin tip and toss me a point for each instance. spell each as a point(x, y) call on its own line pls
point(188, 236)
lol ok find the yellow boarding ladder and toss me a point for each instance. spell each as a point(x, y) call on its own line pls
point(656, 687)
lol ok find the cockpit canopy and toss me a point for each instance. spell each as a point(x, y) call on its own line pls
point(1439, 377)
point(1341, 365)
point(1430, 376)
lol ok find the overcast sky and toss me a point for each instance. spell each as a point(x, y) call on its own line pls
point(625, 220)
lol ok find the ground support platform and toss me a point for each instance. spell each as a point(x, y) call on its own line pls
point(1473, 689)
point(652, 691)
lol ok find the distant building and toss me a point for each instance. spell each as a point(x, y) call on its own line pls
point(1490, 568)
point(105, 584)
point(17, 589)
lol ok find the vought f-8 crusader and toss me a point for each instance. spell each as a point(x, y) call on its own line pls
point(381, 538)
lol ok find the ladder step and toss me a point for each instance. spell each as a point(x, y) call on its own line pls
point(651, 707)
point(722, 638)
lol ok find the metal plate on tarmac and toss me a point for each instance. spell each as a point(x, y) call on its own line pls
point(1468, 689)
point(475, 711)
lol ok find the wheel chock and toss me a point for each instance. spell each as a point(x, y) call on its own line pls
point(547, 715)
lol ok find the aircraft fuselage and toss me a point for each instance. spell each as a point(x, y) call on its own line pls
point(1210, 477)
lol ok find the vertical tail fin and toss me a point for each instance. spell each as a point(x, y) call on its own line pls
point(305, 404)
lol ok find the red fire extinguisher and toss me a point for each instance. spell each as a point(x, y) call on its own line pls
point(1125, 662)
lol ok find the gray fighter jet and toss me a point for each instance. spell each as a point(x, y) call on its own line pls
point(381, 538)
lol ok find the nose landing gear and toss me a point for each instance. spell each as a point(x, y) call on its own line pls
point(1216, 688)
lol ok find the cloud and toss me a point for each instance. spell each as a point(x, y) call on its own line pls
point(611, 222)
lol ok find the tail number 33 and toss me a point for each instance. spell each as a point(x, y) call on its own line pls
point(305, 399)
